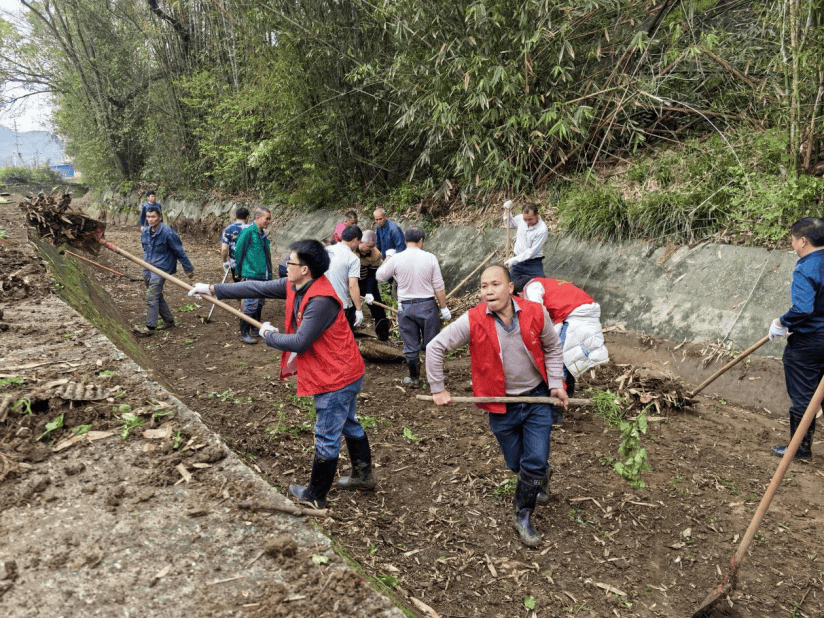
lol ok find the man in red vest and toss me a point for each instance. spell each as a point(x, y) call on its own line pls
point(319, 346)
point(514, 350)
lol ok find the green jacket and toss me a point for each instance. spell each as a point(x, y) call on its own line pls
point(252, 257)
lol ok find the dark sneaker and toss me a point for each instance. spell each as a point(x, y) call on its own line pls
point(413, 382)
point(801, 453)
point(144, 330)
point(164, 325)
point(247, 338)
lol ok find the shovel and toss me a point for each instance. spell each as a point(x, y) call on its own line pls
point(509, 213)
point(112, 247)
point(211, 311)
point(729, 579)
point(729, 366)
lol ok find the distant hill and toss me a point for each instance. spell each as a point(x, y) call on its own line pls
point(35, 147)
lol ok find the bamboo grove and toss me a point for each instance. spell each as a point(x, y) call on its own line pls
point(320, 101)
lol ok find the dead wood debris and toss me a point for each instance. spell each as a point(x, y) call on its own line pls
point(50, 216)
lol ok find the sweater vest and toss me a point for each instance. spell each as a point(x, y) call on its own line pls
point(334, 359)
point(561, 297)
point(488, 378)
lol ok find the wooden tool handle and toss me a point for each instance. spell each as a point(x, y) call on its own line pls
point(729, 365)
point(112, 247)
point(549, 400)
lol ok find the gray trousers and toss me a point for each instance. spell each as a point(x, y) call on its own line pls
point(155, 303)
point(418, 323)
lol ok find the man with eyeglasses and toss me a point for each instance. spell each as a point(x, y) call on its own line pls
point(319, 347)
point(253, 262)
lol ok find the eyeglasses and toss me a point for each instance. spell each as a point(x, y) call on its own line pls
point(294, 264)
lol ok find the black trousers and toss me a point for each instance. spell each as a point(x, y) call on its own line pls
point(803, 369)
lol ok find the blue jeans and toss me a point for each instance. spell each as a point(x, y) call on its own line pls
point(523, 433)
point(336, 418)
point(522, 272)
point(155, 303)
point(253, 306)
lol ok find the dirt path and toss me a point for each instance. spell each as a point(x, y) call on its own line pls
point(437, 528)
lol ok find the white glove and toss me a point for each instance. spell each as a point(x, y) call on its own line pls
point(446, 315)
point(508, 205)
point(369, 298)
point(358, 318)
point(776, 330)
point(390, 253)
point(200, 288)
point(266, 327)
point(510, 262)
point(227, 266)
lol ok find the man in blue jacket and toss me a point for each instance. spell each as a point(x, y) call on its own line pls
point(804, 323)
point(151, 200)
point(388, 234)
point(163, 250)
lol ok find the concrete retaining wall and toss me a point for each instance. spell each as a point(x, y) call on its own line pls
point(704, 293)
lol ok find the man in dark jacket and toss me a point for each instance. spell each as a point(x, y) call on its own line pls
point(151, 201)
point(163, 250)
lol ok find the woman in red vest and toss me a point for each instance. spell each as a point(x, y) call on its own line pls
point(514, 350)
point(319, 346)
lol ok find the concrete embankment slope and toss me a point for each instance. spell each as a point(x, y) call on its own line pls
point(703, 293)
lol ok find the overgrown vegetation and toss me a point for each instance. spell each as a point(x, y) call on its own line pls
point(42, 175)
point(716, 106)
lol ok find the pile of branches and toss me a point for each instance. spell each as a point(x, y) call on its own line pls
point(51, 217)
point(642, 388)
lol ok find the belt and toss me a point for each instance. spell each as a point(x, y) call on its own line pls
point(412, 301)
point(533, 259)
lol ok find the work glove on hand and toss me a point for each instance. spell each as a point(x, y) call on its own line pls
point(358, 318)
point(267, 327)
point(510, 262)
point(446, 315)
point(200, 288)
point(369, 299)
point(508, 205)
point(776, 330)
point(390, 253)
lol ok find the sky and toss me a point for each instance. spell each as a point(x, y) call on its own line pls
point(35, 112)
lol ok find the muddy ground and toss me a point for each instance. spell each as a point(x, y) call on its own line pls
point(437, 527)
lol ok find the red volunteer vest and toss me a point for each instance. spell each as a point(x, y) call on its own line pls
point(488, 378)
point(333, 360)
point(561, 297)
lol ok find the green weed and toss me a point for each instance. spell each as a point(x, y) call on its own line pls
point(16, 381)
point(54, 425)
point(613, 408)
point(187, 307)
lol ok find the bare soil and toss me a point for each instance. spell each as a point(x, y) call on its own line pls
point(437, 528)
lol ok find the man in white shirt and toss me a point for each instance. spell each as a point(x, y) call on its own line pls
point(344, 271)
point(529, 241)
point(420, 293)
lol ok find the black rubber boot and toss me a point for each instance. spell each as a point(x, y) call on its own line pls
point(245, 334)
point(780, 450)
point(256, 315)
point(526, 493)
point(323, 473)
point(543, 491)
point(414, 372)
point(361, 458)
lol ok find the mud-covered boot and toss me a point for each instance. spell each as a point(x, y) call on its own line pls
point(780, 450)
point(323, 473)
point(525, 494)
point(361, 458)
point(543, 491)
point(414, 372)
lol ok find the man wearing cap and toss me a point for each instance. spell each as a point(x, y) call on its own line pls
point(420, 293)
point(530, 237)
